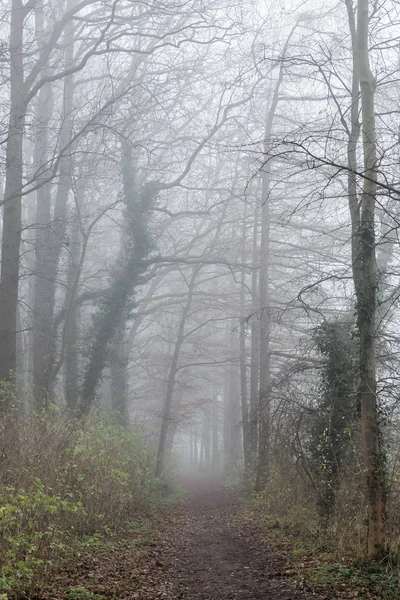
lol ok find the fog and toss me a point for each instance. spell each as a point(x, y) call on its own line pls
point(200, 211)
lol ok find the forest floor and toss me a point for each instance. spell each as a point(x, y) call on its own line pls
point(207, 546)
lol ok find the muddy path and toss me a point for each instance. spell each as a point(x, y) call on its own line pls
point(208, 548)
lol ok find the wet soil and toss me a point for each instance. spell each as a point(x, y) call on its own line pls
point(208, 548)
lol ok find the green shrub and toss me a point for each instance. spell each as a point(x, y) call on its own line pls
point(61, 482)
point(110, 470)
point(33, 527)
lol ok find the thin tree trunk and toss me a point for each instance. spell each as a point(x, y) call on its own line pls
point(42, 299)
point(69, 314)
point(167, 410)
point(226, 431)
point(114, 311)
point(264, 406)
point(255, 347)
point(119, 359)
point(201, 462)
point(72, 362)
point(71, 353)
point(191, 450)
point(353, 138)
point(214, 435)
point(195, 452)
point(243, 357)
point(265, 358)
point(51, 241)
point(206, 437)
point(236, 443)
point(172, 431)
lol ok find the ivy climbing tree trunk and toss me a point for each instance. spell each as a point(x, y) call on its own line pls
point(362, 211)
point(366, 291)
point(119, 378)
point(115, 305)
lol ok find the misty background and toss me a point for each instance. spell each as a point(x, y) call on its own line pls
point(200, 211)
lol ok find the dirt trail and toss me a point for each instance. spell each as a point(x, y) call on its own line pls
point(207, 550)
point(216, 553)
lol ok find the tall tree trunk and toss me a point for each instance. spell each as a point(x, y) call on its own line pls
point(265, 358)
point(42, 307)
point(231, 400)
point(52, 239)
point(191, 450)
point(366, 293)
point(115, 304)
point(119, 358)
point(71, 353)
point(214, 436)
point(353, 138)
point(243, 357)
point(255, 347)
point(226, 430)
point(72, 362)
point(119, 378)
point(206, 437)
point(167, 410)
point(264, 406)
point(10, 253)
point(236, 443)
point(195, 452)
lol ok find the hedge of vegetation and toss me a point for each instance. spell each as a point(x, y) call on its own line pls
point(62, 483)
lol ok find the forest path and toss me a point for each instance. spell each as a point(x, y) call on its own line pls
point(215, 552)
point(208, 548)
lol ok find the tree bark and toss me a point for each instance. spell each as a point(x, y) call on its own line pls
point(195, 452)
point(167, 410)
point(255, 347)
point(114, 309)
point(51, 241)
point(43, 306)
point(214, 435)
point(366, 294)
point(265, 358)
point(243, 357)
point(191, 450)
point(206, 437)
point(71, 352)
point(12, 197)
point(231, 398)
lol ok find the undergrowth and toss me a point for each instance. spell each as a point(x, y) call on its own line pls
point(366, 579)
point(66, 486)
point(320, 555)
